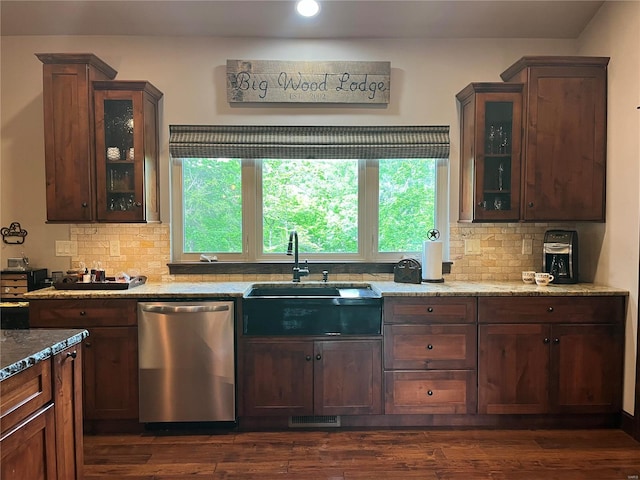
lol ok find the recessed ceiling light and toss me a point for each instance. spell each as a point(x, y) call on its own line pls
point(308, 8)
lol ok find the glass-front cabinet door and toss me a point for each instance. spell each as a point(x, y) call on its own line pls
point(491, 119)
point(126, 140)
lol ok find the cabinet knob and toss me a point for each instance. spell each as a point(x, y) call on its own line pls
point(87, 344)
point(82, 313)
point(308, 358)
point(85, 204)
point(556, 341)
point(138, 204)
point(430, 392)
point(318, 357)
point(545, 341)
point(430, 309)
point(530, 204)
point(550, 309)
point(73, 354)
point(429, 347)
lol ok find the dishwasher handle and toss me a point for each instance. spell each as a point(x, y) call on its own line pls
point(184, 308)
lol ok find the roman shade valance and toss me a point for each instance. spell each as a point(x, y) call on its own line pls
point(338, 142)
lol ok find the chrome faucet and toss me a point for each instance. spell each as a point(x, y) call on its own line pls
point(293, 249)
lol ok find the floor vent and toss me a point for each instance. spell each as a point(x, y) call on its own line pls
point(305, 421)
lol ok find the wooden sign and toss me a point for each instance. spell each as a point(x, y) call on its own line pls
point(272, 81)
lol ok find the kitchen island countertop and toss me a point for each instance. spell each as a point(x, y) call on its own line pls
point(184, 290)
point(20, 349)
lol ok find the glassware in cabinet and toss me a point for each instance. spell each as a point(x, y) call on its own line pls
point(491, 117)
point(127, 150)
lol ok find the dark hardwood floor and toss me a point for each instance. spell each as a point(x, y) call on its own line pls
point(386, 454)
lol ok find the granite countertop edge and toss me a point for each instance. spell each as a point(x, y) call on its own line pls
point(23, 348)
point(232, 289)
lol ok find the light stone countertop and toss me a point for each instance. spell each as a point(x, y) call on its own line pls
point(40, 345)
point(20, 349)
point(387, 289)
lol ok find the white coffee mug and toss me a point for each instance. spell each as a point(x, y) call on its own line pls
point(529, 276)
point(113, 153)
point(543, 279)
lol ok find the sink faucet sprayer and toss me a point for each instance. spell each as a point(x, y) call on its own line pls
point(293, 247)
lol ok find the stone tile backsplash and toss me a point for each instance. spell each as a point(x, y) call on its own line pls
point(146, 250)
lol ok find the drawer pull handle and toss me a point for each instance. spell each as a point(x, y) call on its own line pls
point(550, 309)
point(429, 347)
point(73, 354)
point(166, 309)
point(430, 309)
point(430, 392)
point(82, 313)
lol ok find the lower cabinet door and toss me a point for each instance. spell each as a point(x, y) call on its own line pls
point(277, 378)
point(29, 449)
point(67, 371)
point(587, 373)
point(348, 377)
point(513, 368)
point(296, 378)
point(430, 392)
point(111, 373)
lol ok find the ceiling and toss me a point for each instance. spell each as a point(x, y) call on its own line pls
point(276, 18)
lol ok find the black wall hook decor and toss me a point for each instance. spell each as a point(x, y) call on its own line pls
point(14, 234)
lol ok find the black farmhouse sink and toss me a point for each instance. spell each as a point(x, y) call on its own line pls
point(311, 309)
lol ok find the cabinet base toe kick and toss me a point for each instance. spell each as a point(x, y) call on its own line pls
point(546, 421)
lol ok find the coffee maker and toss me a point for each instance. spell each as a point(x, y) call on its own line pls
point(560, 255)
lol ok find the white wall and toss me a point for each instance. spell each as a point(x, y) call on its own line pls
point(615, 32)
point(426, 75)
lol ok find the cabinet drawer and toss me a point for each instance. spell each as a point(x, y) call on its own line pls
point(13, 290)
point(12, 297)
point(423, 347)
point(419, 310)
point(24, 393)
point(13, 283)
point(82, 313)
point(14, 277)
point(444, 392)
point(607, 309)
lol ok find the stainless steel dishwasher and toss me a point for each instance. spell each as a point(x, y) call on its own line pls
point(186, 361)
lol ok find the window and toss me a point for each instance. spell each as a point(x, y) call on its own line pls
point(317, 198)
point(346, 207)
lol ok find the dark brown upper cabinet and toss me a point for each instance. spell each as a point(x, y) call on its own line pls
point(564, 143)
point(490, 134)
point(69, 133)
point(101, 142)
point(127, 151)
point(552, 111)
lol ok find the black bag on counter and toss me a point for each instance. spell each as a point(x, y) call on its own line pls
point(407, 270)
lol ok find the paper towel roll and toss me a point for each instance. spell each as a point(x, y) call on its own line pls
point(432, 261)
